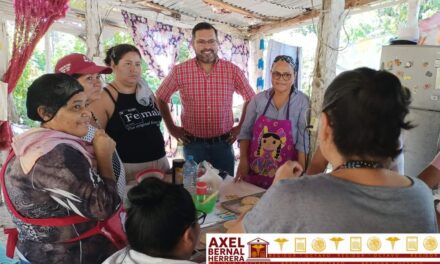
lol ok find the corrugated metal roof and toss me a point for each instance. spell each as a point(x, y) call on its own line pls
point(260, 11)
point(247, 18)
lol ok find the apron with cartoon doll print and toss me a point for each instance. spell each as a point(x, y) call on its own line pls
point(272, 145)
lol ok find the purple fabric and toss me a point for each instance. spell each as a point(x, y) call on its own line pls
point(160, 44)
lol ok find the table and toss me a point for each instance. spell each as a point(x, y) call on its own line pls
point(229, 190)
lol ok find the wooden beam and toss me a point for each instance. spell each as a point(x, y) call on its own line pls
point(278, 26)
point(235, 9)
point(357, 3)
point(159, 8)
point(270, 28)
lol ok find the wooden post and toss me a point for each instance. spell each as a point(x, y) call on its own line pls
point(5, 100)
point(4, 59)
point(329, 25)
point(253, 62)
point(48, 51)
point(4, 46)
point(93, 29)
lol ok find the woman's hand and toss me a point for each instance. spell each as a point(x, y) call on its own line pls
point(103, 144)
point(178, 133)
point(104, 147)
point(242, 170)
point(289, 170)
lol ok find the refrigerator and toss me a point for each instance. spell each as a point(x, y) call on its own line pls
point(418, 68)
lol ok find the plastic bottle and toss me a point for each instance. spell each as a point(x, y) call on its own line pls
point(190, 175)
point(179, 150)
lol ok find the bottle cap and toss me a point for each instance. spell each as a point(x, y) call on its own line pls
point(201, 188)
point(190, 157)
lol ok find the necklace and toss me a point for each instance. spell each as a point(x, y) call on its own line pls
point(358, 164)
point(96, 120)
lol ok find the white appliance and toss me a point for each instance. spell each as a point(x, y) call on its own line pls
point(418, 68)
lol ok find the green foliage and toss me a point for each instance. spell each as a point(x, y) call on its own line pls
point(30, 72)
point(184, 53)
point(78, 4)
point(380, 24)
point(307, 29)
point(429, 8)
point(62, 44)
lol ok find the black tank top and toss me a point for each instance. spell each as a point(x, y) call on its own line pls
point(136, 129)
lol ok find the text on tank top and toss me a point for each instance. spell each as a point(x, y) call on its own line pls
point(136, 129)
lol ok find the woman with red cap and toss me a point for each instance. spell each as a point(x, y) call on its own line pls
point(88, 74)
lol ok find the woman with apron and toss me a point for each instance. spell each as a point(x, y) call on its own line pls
point(274, 129)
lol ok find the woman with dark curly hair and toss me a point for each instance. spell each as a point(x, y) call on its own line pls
point(362, 116)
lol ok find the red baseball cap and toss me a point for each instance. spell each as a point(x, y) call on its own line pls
point(76, 63)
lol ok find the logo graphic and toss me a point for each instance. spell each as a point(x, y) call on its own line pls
point(336, 240)
point(65, 68)
point(393, 241)
point(300, 244)
point(374, 244)
point(281, 242)
point(318, 244)
point(86, 59)
point(430, 243)
point(412, 243)
point(258, 248)
point(355, 243)
point(225, 249)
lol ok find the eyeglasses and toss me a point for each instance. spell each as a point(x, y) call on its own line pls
point(201, 216)
point(277, 75)
point(204, 42)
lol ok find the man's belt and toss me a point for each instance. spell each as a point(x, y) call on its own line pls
point(210, 140)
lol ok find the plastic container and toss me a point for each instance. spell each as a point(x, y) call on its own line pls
point(149, 173)
point(208, 204)
point(190, 175)
point(201, 191)
point(205, 200)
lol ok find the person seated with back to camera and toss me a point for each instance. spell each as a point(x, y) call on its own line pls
point(162, 225)
point(362, 116)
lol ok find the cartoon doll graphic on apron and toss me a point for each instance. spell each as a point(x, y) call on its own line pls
point(272, 145)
